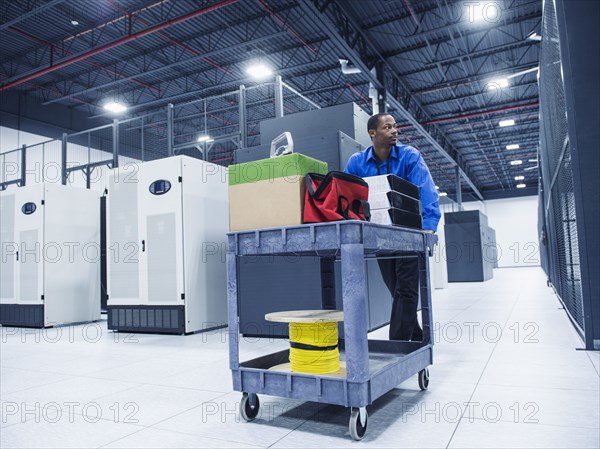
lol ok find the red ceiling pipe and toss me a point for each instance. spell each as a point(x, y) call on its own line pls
point(285, 25)
point(170, 39)
point(52, 46)
point(118, 42)
point(474, 114)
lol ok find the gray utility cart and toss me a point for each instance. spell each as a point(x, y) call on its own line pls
point(373, 367)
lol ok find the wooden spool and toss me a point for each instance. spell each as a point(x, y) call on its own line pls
point(307, 316)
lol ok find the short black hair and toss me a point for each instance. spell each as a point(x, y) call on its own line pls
point(374, 121)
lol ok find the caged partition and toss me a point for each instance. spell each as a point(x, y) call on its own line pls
point(568, 155)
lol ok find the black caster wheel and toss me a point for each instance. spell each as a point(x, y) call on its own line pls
point(358, 425)
point(249, 406)
point(424, 378)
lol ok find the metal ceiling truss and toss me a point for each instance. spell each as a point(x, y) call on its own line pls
point(209, 49)
point(97, 47)
point(350, 39)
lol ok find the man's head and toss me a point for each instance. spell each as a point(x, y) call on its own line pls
point(382, 130)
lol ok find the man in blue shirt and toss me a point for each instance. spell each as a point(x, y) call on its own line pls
point(400, 275)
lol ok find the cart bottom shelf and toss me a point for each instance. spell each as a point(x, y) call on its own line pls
point(390, 363)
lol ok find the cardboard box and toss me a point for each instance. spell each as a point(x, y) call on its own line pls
point(286, 166)
point(266, 204)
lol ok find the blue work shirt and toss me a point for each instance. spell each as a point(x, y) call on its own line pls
point(407, 163)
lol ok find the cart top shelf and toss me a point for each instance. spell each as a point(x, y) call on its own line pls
point(326, 239)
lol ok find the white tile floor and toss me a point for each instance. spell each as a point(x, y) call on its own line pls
point(506, 373)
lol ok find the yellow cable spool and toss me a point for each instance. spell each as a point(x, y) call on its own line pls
point(314, 348)
point(313, 340)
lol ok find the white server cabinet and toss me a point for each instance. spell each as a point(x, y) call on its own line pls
point(50, 248)
point(167, 222)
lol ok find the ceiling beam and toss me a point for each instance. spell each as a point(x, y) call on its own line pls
point(456, 34)
point(349, 38)
point(12, 82)
point(29, 14)
point(158, 70)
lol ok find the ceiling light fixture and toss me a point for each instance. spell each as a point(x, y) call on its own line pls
point(519, 178)
point(521, 186)
point(516, 162)
point(533, 36)
point(259, 71)
point(514, 146)
point(205, 138)
point(443, 194)
point(500, 82)
point(115, 107)
point(504, 123)
point(74, 22)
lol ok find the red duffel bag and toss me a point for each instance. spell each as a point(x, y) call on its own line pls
point(335, 196)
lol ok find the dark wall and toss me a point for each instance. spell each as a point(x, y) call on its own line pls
point(26, 113)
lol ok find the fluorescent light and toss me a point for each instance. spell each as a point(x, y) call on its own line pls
point(504, 123)
point(443, 194)
point(115, 107)
point(74, 22)
point(205, 138)
point(533, 160)
point(534, 37)
point(521, 186)
point(516, 162)
point(502, 82)
point(437, 188)
point(519, 178)
point(514, 146)
point(259, 71)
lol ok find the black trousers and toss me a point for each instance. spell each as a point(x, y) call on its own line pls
point(402, 279)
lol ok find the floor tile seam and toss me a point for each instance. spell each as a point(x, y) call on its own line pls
point(295, 428)
point(484, 368)
point(185, 411)
point(41, 385)
point(593, 364)
point(115, 367)
point(64, 407)
point(79, 414)
point(199, 435)
point(565, 315)
point(540, 387)
point(75, 377)
point(78, 375)
point(121, 438)
point(471, 305)
point(115, 392)
point(157, 385)
point(533, 424)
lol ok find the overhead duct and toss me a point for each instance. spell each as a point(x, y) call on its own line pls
point(374, 95)
point(348, 70)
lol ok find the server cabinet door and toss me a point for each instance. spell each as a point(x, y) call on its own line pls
point(161, 255)
point(8, 248)
point(123, 236)
point(29, 233)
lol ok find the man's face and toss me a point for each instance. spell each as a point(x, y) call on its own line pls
point(386, 133)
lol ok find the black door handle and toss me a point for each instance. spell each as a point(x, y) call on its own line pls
point(17, 256)
point(143, 246)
